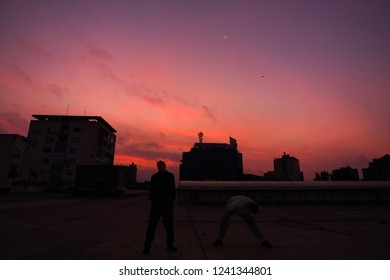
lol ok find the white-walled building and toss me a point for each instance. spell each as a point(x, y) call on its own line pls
point(57, 144)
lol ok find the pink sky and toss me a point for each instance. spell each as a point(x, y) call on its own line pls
point(161, 71)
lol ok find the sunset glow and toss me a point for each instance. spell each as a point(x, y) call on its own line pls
point(309, 78)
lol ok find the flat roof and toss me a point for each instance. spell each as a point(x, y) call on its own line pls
point(61, 227)
point(284, 184)
point(74, 118)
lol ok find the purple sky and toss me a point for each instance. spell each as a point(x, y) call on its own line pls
point(161, 71)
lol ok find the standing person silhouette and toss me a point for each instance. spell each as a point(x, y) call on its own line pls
point(246, 208)
point(162, 195)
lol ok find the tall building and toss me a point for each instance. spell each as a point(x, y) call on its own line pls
point(12, 147)
point(212, 161)
point(345, 174)
point(287, 168)
point(57, 144)
point(378, 169)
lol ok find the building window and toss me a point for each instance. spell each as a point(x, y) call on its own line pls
point(70, 172)
point(99, 153)
point(64, 127)
point(43, 172)
point(60, 149)
point(35, 131)
point(49, 140)
point(71, 161)
point(69, 184)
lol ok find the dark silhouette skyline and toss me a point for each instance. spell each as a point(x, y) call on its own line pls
point(57, 144)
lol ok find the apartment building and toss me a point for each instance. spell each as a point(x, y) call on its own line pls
point(378, 169)
point(57, 144)
point(12, 148)
point(287, 168)
point(212, 161)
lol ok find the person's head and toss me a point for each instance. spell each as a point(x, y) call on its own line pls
point(252, 208)
point(161, 166)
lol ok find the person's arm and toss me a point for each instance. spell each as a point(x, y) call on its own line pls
point(173, 187)
point(151, 189)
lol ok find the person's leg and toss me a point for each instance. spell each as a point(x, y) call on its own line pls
point(167, 215)
point(250, 221)
point(223, 227)
point(154, 217)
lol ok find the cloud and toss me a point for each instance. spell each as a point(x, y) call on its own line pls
point(20, 75)
point(32, 49)
point(15, 77)
point(151, 96)
point(57, 90)
point(99, 53)
point(147, 94)
point(13, 123)
point(353, 160)
point(206, 112)
point(105, 71)
point(153, 99)
point(149, 150)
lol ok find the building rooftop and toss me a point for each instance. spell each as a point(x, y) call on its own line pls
point(74, 118)
point(62, 227)
point(293, 185)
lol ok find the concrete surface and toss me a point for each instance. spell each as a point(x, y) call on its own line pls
point(285, 192)
point(58, 227)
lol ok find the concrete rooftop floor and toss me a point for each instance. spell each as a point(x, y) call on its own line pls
point(62, 227)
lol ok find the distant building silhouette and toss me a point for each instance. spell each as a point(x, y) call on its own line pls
point(104, 180)
point(287, 168)
point(345, 174)
point(12, 148)
point(57, 144)
point(212, 161)
point(270, 176)
point(378, 169)
point(322, 176)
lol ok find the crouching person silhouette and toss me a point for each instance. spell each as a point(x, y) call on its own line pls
point(162, 196)
point(246, 208)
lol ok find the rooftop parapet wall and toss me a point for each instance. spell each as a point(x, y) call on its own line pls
point(283, 192)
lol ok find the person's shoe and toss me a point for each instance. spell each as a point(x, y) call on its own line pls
point(266, 244)
point(172, 249)
point(218, 242)
point(146, 251)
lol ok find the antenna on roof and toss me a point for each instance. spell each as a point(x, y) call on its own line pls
point(85, 110)
point(67, 110)
point(200, 136)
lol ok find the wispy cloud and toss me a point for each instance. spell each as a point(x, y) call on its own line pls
point(147, 94)
point(20, 74)
point(149, 150)
point(15, 77)
point(207, 113)
point(152, 97)
point(57, 90)
point(32, 49)
point(13, 122)
point(105, 71)
point(99, 53)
